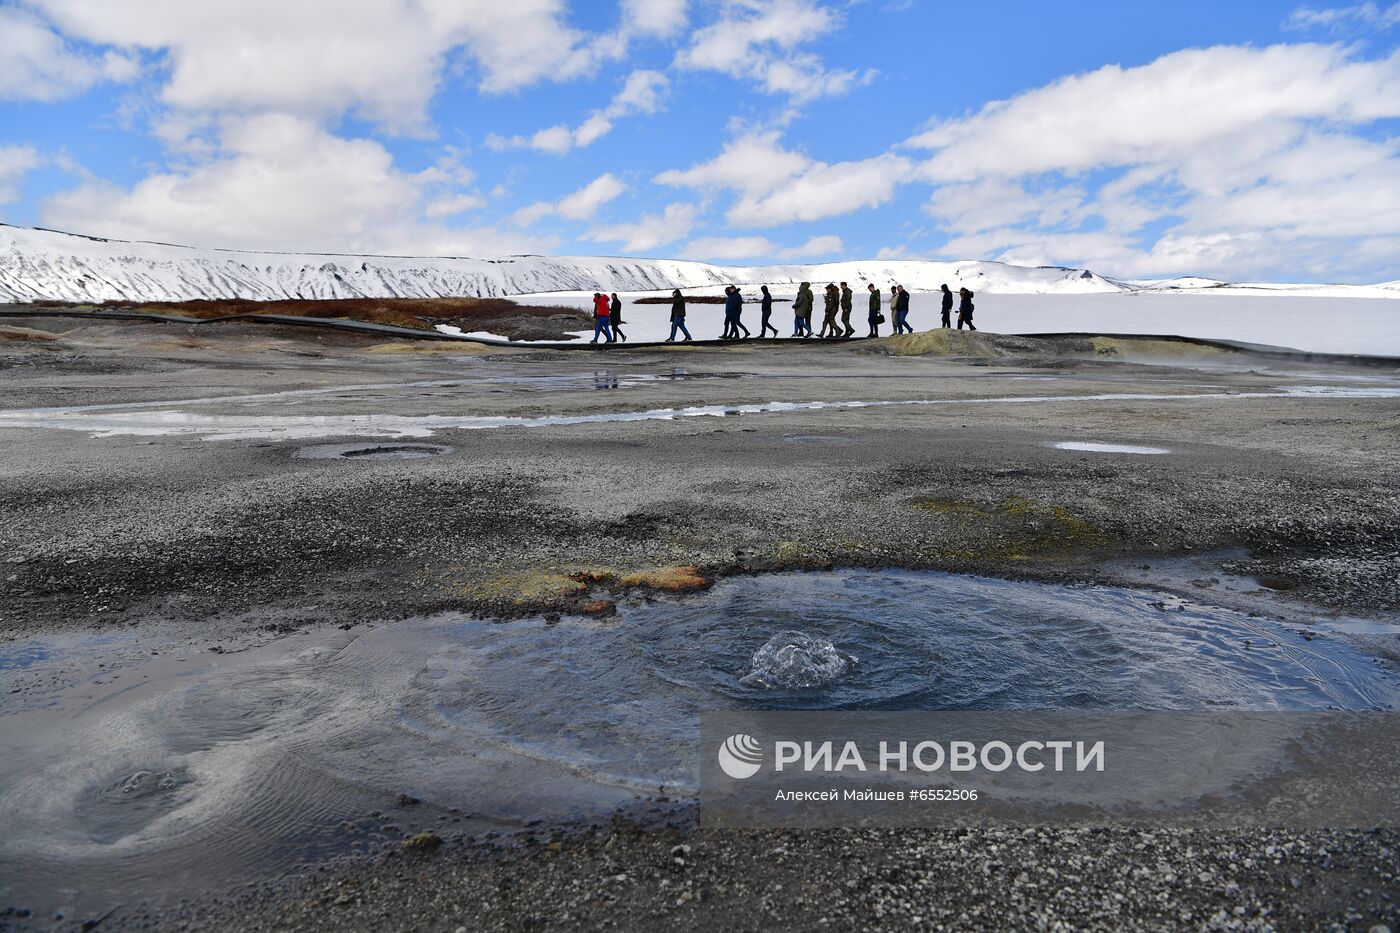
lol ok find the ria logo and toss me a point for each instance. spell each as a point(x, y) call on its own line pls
point(740, 756)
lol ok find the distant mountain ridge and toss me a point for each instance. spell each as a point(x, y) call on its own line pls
point(48, 265)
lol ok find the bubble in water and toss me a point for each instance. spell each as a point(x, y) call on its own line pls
point(142, 784)
point(796, 661)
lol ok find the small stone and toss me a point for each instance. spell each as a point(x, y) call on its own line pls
point(422, 841)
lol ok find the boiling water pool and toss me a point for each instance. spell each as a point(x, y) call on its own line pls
point(199, 768)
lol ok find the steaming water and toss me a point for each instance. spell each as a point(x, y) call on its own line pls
point(186, 769)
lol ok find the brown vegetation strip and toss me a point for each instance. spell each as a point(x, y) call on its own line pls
point(422, 313)
point(702, 300)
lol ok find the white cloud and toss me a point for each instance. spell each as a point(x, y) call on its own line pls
point(1225, 161)
point(582, 204)
point(310, 58)
point(518, 43)
point(1170, 108)
point(321, 58)
point(803, 78)
point(37, 64)
point(1363, 15)
point(990, 203)
point(453, 205)
point(649, 231)
point(754, 163)
point(643, 92)
point(719, 247)
point(823, 190)
point(758, 40)
point(777, 186)
point(759, 247)
point(15, 163)
point(532, 214)
point(828, 245)
point(284, 183)
point(654, 17)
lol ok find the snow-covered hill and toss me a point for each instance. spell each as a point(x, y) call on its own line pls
point(44, 265)
point(1194, 285)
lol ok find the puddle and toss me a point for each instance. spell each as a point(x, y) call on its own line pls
point(144, 420)
point(174, 773)
point(514, 379)
point(372, 451)
point(1347, 626)
point(1204, 575)
point(1097, 448)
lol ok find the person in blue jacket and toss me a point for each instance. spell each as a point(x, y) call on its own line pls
point(767, 308)
point(733, 308)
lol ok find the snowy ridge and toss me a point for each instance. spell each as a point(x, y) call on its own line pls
point(45, 265)
point(1194, 285)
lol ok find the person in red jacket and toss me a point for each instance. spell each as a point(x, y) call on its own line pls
point(602, 317)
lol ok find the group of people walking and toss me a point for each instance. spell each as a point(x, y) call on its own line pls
point(607, 313)
point(841, 300)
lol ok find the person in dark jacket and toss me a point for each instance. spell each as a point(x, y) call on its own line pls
point(733, 308)
point(947, 306)
point(901, 317)
point(602, 312)
point(677, 316)
point(847, 302)
point(875, 315)
point(832, 300)
point(802, 311)
point(767, 308)
point(615, 317)
point(965, 309)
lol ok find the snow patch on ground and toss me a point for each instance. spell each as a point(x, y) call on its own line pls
point(1098, 448)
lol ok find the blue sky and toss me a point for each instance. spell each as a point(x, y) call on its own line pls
point(1242, 141)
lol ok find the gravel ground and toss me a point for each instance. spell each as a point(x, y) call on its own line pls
point(241, 540)
point(973, 879)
